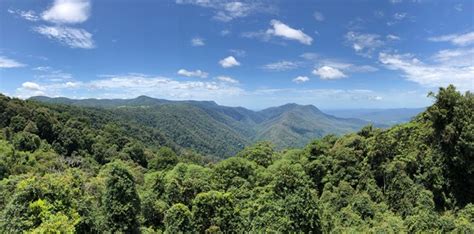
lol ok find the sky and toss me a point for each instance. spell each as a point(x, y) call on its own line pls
point(332, 54)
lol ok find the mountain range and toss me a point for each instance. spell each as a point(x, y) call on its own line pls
point(214, 129)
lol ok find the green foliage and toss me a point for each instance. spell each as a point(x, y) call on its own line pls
point(25, 141)
point(164, 159)
point(178, 219)
point(121, 201)
point(261, 153)
point(214, 210)
point(60, 173)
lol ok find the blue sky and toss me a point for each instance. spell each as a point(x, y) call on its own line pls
point(333, 54)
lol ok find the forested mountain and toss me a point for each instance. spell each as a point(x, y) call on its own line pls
point(69, 169)
point(382, 116)
point(220, 130)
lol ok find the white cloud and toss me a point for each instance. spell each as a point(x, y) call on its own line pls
point(229, 10)
point(363, 44)
point(395, 1)
point(197, 41)
point(393, 37)
point(343, 66)
point(9, 63)
point(27, 15)
point(197, 73)
point(282, 30)
point(52, 75)
point(227, 79)
point(31, 86)
point(300, 79)
point(229, 62)
point(68, 11)
point(399, 15)
point(72, 37)
point(432, 75)
point(281, 66)
point(455, 57)
point(456, 39)
point(328, 73)
point(132, 85)
point(318, 16)
point(42, 68)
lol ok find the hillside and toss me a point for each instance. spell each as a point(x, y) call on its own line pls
point(193, 124)
point(71, 169)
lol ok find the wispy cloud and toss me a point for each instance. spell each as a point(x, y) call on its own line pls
point(229, 62)
point(335, 67)
point(281, 66)
point(72, 37)
point(197, 41)
point(227, 79)
point(392, 37)
point(455, 39)
point(364, 43)
point(301, 79)
point(197, 73)
point(27, 15)
point(67, 11)
point(9, 63)
point(441, 73)
point(238, 53)
point(229, 10)
point(318, 16)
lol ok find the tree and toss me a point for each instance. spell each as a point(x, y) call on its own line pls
point(26, 141)
point(213, 210)
point(261, 153)
point(136, 153)
point(178, 219)
point(120, 200)
point(164, 159)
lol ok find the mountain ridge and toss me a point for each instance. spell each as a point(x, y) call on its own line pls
point(207, 126)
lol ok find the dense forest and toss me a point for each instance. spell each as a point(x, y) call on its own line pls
point(219, 130)
point(77, 169)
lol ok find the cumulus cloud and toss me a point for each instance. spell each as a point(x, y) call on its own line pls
point(197, 73)
point(329, 73)
point(438, 74)
point(229, 62)
point(318, 16)
point(227, 79)
point(282, 30)
point(67, 11)
point(300, 79)
point(31, 86)
point(27, 15)
point(226, 11)
point(197, 41)
point(72, 37)
point(455, 39)
point(281, 66)
point(9, 63)
point(363, 43)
